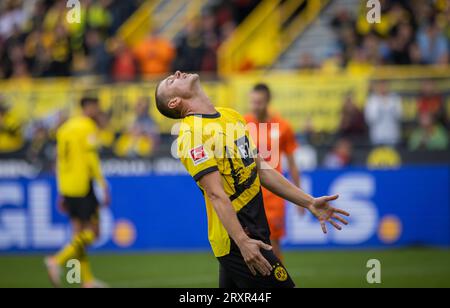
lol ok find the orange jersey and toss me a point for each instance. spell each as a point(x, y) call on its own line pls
point(273, 139)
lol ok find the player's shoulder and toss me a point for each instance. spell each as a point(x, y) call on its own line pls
point(250, 118)
point(230, 113)
point(185, 130)
point(65, 127)
point(86, 124)
point(284, 123)
point(226, 110)
point(78, 125)
point(186, 125)
point(78, 120)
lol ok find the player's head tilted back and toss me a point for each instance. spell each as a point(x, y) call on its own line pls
point(176, 95)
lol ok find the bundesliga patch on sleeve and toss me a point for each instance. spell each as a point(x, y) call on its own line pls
point(198, 155)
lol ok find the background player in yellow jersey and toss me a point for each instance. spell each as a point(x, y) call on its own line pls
point(78, 166)
point(216, 149)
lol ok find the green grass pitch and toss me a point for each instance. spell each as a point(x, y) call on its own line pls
point(399, 268)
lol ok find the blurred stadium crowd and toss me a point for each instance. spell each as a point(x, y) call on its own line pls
point(410, 33)
point(36, 41)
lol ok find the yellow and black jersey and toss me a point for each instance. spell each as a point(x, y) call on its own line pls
point(78, 164)
point(221, 142)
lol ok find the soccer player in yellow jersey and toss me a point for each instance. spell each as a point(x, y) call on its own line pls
point(216, 149)
point(78, 166)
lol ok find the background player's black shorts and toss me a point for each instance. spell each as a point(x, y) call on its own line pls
point(85, 209)
point(234, 273)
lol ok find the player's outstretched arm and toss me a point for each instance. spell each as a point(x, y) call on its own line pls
point(319, 207)
point(250, 249)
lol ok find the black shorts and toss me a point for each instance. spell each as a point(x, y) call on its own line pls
point(234, 273)
point(84, 209)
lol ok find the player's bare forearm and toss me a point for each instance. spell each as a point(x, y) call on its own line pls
point(227, 215)
point(279, 185)
point(250, 248)
point(319, 207)
point(212, 185)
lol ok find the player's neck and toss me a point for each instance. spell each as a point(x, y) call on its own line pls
point(87, 115)
point(262, 118)
point(201, 105)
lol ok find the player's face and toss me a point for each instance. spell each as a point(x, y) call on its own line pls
point(181, 85)
point(93, 111)
point(258, 103)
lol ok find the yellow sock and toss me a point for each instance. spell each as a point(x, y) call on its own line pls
point(86, 273)
point(75, 248)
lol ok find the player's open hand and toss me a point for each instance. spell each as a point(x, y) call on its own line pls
point(324, 212)
point(251, 251)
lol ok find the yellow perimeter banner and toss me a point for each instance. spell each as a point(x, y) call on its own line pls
point(312, 100)
point(307, 100)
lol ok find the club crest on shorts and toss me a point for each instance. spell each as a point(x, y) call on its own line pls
point(198, 155)
point(280, 273)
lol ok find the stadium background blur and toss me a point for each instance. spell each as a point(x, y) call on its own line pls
point(330, 71)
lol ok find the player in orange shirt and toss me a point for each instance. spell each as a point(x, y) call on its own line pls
point(274, 137)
